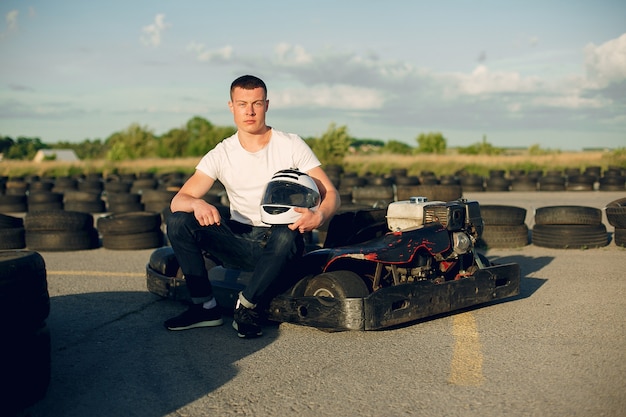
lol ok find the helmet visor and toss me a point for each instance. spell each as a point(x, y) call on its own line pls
point(285, 193)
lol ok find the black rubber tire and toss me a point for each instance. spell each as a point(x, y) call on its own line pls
point(13, 203)
point(119, 208)
point(505, 236)
point(616, 213)
point(163, 261)
point(86, 206)
point(24, 299)
point(336, 284)
point(7, 222)
point(82, 196)
point(66, 220)
point(497, 184)
point(524, 183)
point(494, 214)
point(619, 237)
point(579, 236)
point(143, 240)
point(129, 223)
point(12, 238)
point(371, 194)
point(44, 197)
point(434, 192)
point(124, 198)
point(568, 215)
point(62, 240)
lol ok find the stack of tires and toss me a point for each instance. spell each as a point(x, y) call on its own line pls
point(504, 226)
point(134, 230)
point(552, 181)
point(612, 180)
point(88, 200)
point(569, 227)
point(472, 183)
point(12, 235)
point(577, 181)
point(377, 192)
point(616, 215)
point(25, 346)
point(60, 230)
point(14, 198)
point(156, 200)
point(497, 181)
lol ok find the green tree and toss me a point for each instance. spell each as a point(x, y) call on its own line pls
point(333, 146)
point(432, 142)
point(480, 148)
point(5, 143)
point(86, 149)
point(173, 144)
point(397, 147)
point(204, 136)
point(132, 143)
point(25, 148)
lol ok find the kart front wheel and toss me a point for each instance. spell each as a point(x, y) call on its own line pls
point(336, 284)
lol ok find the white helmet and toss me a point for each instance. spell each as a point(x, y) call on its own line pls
point(287, 189)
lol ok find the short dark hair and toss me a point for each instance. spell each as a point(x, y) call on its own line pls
point(248, 82)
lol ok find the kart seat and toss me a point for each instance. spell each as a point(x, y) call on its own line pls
point(355, 226)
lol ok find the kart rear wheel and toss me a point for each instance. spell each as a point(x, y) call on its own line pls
point(336, 284)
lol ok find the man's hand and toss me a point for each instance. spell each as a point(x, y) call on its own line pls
point(308, 221)
point(205, 213)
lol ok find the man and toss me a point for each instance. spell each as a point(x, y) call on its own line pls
point(244, 163)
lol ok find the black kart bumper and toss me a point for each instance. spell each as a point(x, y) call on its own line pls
point(383, 308)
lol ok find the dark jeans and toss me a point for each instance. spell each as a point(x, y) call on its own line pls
point(268, 251)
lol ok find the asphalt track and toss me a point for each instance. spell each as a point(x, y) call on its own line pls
point(558, 349)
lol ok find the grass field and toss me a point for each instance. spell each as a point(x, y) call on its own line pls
point(361, 164)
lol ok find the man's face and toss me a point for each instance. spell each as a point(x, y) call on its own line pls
point(249, 108)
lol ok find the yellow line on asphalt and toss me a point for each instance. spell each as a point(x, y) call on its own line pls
point(467, 359)
point(97, 273)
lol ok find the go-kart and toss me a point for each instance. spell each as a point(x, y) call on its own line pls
point(377, 268)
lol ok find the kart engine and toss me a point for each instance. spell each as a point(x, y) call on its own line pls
point(457, 215)
point(464, 223)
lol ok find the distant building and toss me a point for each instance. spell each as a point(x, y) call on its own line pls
point(65, 155)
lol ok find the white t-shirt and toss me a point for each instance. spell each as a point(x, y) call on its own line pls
point(245, 174)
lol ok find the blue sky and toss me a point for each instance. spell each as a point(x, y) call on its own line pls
point(545, 72)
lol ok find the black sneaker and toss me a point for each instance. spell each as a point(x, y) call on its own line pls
point(246, 322)
point(195, 316)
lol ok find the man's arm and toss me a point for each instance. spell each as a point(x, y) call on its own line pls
point(190, 199)
point(330, 203)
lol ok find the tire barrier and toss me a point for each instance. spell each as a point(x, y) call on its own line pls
point(60, 230)
point(128, 231)
point(24, 307)
point(616, 215)
point(13, 203)
point(44, 201)
point(156, 200)
point(123, 202)
point(12, 234)
point(435, 192)
point(504, 226)
point(569, 227)
point(84, 201)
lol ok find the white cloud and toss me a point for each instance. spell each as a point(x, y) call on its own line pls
point(292, 54)
point(483, 81)
point(344, 97)
point(11, 19)
point(205, 55)
point(151, 34)
point(606, 64)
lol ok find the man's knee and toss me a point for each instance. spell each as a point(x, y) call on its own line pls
point(284, 239)
point(178, 223)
